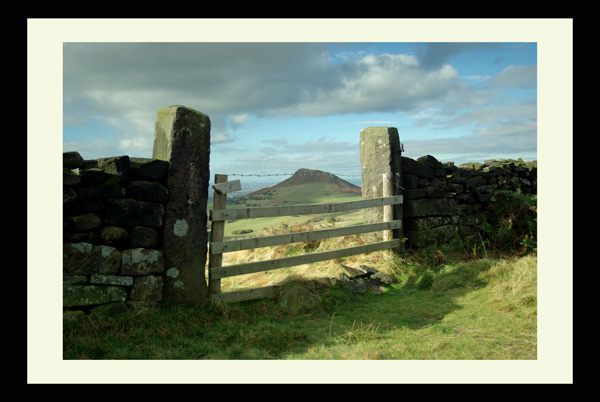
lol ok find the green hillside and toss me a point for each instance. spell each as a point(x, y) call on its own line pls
point(306, 186)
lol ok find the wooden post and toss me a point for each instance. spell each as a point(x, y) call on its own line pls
point(217, 232)
point(388, 210)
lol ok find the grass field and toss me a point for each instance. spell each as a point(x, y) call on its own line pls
point(262, 226)
point(484, 309)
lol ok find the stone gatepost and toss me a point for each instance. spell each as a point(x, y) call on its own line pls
point(380, 154)
point(182, 137)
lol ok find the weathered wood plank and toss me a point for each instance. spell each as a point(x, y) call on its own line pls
point(388, 211)
point(227, 187)
point(259, 266)
point(249, 294)
point(217, 232)
point(306, 209)
point(290, 238)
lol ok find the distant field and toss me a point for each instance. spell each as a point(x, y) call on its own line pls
point(262, 226)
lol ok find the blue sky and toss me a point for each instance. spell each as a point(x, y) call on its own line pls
point(279, 107)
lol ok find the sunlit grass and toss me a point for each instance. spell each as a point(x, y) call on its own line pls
point(488, 311)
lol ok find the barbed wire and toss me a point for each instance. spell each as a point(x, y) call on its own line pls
point(304, 174)
point(362, 175)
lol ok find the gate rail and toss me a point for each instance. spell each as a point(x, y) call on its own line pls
point(219, 214)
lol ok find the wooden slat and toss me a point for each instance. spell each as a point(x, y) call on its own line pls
point(307, 209)
point(217, 232)
point(249, 294)
point(388, 210)
point(298, 237)
point(227, 187)
point(242, 269)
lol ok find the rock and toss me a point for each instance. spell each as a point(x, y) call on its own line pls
point(147, 288)
point(298, 299)
point(354, 273)
point(153, 169)
point(117, 167)
point(97, 190)
point(114, 236)
point(70, 177)
point(429, 207)
point(152, 191)
point(410, 181)
point(368, 270)
point(117, 280)
point(134, 213)
point(143, 237)
point(429, 161)
point(413, 167)
point(72, 160)
point(141, 261)
point(85, 258)
point(92, 175)
point(431, 237)
point(356, 286)
point(84, 222)
point(363, 279)
point(379, 278)
point(88, 295)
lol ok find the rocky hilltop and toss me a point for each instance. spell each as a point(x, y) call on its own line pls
point(304, 186)
point(312, 178)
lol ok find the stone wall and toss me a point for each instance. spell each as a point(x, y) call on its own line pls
point(442, 200)
point(134, 229)
point(113, 210)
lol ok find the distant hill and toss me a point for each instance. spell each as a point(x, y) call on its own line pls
point(305, 186)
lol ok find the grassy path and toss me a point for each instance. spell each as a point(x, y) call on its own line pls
point(490, 313)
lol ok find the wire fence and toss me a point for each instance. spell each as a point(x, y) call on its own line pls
point(312, 173)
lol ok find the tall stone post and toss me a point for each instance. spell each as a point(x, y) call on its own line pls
point(380, 160)
point(182, 137)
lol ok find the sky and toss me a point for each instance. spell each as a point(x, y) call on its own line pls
point(278, 107)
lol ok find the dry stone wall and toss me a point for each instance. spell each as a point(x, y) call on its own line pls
point(135, 229)
point(113, 212)
point(442, 200)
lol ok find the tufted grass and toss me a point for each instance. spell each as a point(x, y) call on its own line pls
point(479, 309)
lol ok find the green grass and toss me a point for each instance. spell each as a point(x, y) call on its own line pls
point(484, 309)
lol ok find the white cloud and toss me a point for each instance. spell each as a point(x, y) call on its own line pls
point(239, 120)
point(516, 76)
point(375, 83)
point(219, 137)
point(136, 145)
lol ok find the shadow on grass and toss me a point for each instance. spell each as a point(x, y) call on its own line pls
point(399, 307)
point(261, 330)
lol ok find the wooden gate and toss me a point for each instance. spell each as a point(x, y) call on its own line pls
point(219, 214)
